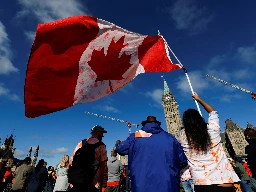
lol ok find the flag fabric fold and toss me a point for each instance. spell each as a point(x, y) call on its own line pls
point(82, 59)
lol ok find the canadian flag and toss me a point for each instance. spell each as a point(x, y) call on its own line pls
point(82, 59)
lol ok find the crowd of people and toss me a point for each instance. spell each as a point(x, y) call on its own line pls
point(157, 161)
point(26, 178)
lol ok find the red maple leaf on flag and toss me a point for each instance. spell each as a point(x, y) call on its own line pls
point(110, 67)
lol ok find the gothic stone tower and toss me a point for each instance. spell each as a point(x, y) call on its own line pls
point(171, 111)
point(34, 159)
point(235, 140)
point(7, 150)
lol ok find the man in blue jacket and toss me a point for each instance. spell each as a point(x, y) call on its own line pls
point(155, 158)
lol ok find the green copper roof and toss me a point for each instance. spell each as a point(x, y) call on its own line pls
point(166, 88)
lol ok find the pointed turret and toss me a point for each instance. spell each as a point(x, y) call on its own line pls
point(250, 126)
point(34, 159)
point(10, 142)
point(29, 152)
point(166, 88)
point(171, 111)
point(7, 149)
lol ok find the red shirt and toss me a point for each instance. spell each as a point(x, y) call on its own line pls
point(247, 169)
point(7, 175)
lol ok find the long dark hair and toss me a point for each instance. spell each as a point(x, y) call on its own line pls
point(39, 165)
point(196, 130)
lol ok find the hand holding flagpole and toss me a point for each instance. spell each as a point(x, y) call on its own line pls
point(185, 71)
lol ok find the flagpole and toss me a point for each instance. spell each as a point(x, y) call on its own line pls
point(185, 71)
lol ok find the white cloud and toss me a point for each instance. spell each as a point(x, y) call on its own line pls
point(47, 152)
point(6, 66)
point(189, 16)
point(60, 150)
point(4, 92)
point(245, 86)
point(231, 77)
point(156, 95)
point(217, 60)
point(109, 109)
point(30, 35)
point(19, 153)
point(47, 156)
point(217, 67)
point(35, 137)
point(198, 82)
point(50, 10)
point(247, 54)
point(244, 73)
point(230, 97)
point(14, 97)
point(54, 151)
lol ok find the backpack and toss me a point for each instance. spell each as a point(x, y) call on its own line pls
point(50, 177)
point(83, 170)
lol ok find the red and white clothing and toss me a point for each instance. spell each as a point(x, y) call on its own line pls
point(211, 167)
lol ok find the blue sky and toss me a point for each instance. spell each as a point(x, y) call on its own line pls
point(215, 37)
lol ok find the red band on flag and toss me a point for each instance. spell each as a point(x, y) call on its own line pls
point(53, 68)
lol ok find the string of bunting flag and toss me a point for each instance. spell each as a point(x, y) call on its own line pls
point(233, 86)
point(128, 123)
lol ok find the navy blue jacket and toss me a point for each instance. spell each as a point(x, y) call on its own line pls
point(154, 162)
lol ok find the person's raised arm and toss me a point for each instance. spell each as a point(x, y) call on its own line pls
point(122, 148)
point(206, 106)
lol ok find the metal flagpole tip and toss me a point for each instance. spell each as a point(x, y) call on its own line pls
point(162, 77)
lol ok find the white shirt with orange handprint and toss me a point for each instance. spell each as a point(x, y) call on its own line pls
point(211, 167)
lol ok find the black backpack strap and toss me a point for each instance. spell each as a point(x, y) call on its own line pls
point(99, 144)
point(84, 142)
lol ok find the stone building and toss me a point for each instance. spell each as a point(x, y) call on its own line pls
point(171, 111)
point(7, 152)
point(235, 140)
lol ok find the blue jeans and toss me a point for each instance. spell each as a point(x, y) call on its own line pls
point(188, 186)
point(48, 187)
point(253, 181)
point(246, 186)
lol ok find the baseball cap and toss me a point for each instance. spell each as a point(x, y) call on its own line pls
point(98, 128)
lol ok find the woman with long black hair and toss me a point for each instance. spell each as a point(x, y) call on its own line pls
point(37, 177)
point(201, 141)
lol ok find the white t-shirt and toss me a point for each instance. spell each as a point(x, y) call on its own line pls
point(211, 167)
